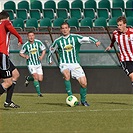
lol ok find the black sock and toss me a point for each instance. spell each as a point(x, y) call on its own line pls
point(10, 92)
point(2, 90)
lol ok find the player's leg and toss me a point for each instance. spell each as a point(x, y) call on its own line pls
point(7, 82)
point(37, 74)
point(131, 78)
point(78, 73)
point(83, 90)
point(10, 90)
point(32, 70)
point(127, 66)
point(36, 83)
point(28, 79)
point(5, 73)
point(40, 78)
point(66, 75)
point(15, 76)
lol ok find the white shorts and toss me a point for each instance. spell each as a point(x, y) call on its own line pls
point(35, 69)
point(74, 68)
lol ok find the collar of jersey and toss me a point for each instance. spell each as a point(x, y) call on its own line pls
point(66, 36)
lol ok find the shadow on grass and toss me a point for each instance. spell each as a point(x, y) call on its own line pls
point(27, 95)
point(5, 109)
point(115, 103)
point(56, 104)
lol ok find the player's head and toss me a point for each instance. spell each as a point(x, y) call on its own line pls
point(4, 15)
point(31, 36)
point(121, 23)
point(65, 29)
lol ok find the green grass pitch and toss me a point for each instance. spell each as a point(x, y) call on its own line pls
point(108, 113)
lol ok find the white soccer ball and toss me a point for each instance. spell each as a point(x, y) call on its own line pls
point(71, 101)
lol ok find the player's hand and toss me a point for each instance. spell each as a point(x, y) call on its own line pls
point(40, 58)
point(108, 48)
point(19, 44)
point(98, 43)
point(51, 63)
point(26, 57)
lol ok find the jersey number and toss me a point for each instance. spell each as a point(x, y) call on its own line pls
point(8, 73)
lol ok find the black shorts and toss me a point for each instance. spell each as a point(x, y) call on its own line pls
point(6, 66)
point(127, 66)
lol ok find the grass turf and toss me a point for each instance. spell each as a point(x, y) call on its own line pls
point(108, 113)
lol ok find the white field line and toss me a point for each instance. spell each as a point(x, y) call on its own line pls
point(66, 111)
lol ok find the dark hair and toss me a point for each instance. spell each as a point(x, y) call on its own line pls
point(30, 32)
point(4, 15)
point(65, 23)
point(122, 18)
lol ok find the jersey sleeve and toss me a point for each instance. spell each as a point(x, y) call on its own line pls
point(42, 46)
point(52, 49)
point(11, 29)
point(23, 49)
point(87, 40)
point(112, 40)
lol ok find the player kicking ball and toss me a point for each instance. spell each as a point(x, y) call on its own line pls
point(68, 46)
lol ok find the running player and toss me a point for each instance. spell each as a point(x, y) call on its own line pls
point(124, 38)
point(68, 46)
point(8, 71)
point(31, 52)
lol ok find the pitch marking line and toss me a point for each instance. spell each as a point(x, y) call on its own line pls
point(68, 111)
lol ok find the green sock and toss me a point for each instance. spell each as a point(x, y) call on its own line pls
point(68, 87)
point(83, 92)
point(37, 87)
point(30, 78)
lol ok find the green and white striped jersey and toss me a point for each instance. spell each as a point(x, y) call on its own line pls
point(68, 47)
point(33, 51)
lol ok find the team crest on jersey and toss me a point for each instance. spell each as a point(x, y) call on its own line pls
point(33, 51)
point(68, 48)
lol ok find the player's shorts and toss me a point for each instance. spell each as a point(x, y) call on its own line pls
point(74, 68)
point(6, 66)
point(127, 66)
point(35, 69)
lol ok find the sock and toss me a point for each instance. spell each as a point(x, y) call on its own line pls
point(2, 90)
point(30, 78)
point(10, 92)
point(68, 87)
point(83, 92)
point(37, 87)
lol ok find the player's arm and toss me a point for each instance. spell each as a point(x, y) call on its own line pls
point(112, 44)
point(89, 39)
point(42, 55)
point(22, 53)
point(12, 30)
point(52, 49)
point(43, 48)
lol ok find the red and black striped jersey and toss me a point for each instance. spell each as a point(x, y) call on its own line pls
point(125, 44)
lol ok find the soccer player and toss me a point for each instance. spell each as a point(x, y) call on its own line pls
point(124, 38)
point(8, 71)
point(68, 46)
point(31, 52)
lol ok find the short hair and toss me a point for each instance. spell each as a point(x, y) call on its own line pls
point(65, 23)
point(122, 18)
point(4, 15)
point(31, 32)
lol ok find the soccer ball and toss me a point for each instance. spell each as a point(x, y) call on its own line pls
point(71, 101)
